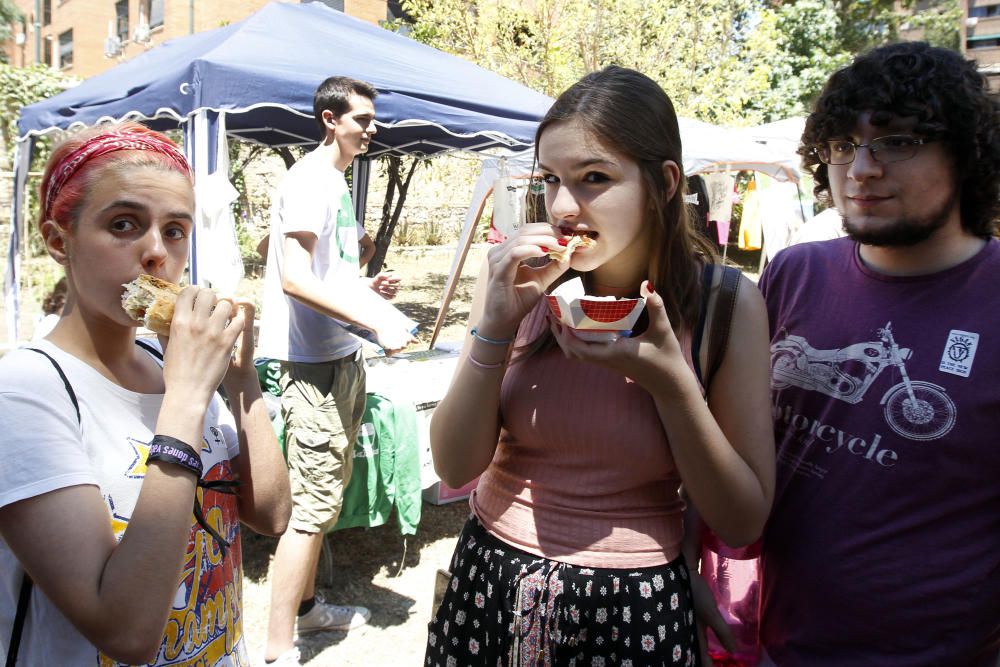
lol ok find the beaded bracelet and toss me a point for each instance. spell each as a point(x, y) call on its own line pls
point(478, 364)
point(171, 450)
point(492, 341)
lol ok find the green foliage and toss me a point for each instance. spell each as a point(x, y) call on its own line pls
point(708, 54)
point(20, 86)
point(941, 24)
point(9, 15)
point(809, 49)
point(722, 61)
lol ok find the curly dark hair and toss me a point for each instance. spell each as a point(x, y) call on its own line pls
point(946, 95)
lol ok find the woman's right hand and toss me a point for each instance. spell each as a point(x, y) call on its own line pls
point(203, 334)
point(513, 288)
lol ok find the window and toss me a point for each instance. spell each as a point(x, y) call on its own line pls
point(66, 49)
point(154, 12)
point(982, 42)
point(121, 20)
point(47, 49)
point(334, 4)
point(46, 12)
point(984, 12)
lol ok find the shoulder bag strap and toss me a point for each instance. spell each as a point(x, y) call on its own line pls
point(22, 614)
point(24, 597)
point(62, 376)
point(699, 332)
point(149, 348)
point(722, 320)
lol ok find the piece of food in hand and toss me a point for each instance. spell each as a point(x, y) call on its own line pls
point(563, 253)
point(151, 301)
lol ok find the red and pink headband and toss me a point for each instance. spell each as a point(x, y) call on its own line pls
point(102, 144)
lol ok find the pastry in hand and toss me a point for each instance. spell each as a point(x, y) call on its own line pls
point(563, 253)
point(151, 301)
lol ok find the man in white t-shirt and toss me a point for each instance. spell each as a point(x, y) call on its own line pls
point(312, 281)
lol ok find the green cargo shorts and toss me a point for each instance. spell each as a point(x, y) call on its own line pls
point(322, 406)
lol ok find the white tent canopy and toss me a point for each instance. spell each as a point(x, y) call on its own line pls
point(781, 136)
point(706, 148)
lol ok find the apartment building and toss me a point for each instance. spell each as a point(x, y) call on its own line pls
point(86, 37)
point(981, 37)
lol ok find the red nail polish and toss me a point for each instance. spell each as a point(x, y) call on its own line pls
point(649, 286)
point(563, 242)
point(544, 249)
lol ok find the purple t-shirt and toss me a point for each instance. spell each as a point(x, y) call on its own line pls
point(883, 547)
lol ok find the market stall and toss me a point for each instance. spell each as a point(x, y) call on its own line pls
point(708, 150)
point(254, 80)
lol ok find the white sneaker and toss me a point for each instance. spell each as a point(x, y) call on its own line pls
point(325, 616)
point(289, 658)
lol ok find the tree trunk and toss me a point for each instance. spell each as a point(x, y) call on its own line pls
point(286, 155)
point(391, 210)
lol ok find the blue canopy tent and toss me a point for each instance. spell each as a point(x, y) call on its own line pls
point(261, 73)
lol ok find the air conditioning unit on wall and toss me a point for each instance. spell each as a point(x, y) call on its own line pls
point(141, 34)
point(112, 47)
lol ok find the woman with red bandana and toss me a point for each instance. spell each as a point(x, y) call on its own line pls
point(125, 476)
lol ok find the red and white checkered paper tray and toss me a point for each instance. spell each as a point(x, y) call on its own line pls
point(598, 319)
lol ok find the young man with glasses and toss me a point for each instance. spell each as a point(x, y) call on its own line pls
point(883, 547)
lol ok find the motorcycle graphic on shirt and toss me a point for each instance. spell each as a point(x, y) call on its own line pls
point(914, 409)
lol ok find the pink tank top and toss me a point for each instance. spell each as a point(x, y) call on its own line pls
point(583, 472)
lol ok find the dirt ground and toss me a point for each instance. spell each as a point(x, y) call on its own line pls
point(377, 567)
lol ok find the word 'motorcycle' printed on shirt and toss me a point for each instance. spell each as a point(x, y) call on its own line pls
point(914, 409)
point(835, 439)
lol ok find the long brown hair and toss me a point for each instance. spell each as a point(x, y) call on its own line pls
point(629, 112)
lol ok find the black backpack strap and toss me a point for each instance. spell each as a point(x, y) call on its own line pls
point(149, 348)
point(722, 319)
point(22, 614)
point(62, 376)
point(699, 332)
point(24, 597)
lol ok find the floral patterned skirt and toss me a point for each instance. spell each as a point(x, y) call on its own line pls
point(509, 608)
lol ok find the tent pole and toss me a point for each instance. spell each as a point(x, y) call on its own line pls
point(360, 177)
point(456, 275)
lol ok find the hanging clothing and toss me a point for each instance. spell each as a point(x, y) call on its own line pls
point(720, 202)
point(780, 212)
point(386, 468)
point(508, 204)
point(751, 234)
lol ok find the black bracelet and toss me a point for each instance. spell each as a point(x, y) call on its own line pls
point(171, 450)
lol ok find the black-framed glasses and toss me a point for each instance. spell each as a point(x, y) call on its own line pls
point(890, 148)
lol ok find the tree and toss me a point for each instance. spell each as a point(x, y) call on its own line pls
point(9, 15)
point(399, 174)
point(21, 86)
point(810, 47)
point(711, 56)
point(817, 37)
point(940, 24)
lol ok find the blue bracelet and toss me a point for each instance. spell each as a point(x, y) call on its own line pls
point(492, 341)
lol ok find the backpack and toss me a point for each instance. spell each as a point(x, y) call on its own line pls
point(731, 574)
